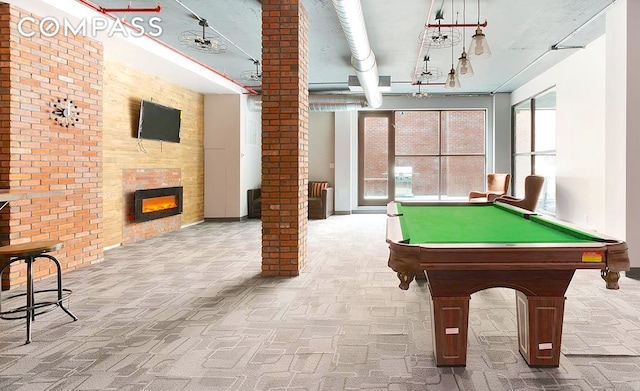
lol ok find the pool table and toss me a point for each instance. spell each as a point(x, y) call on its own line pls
point(467, 247)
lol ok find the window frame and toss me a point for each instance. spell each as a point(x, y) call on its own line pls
point(532, 153)
point(392, 156)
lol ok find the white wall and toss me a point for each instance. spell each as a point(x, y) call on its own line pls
point(580, 104)
point(632, 143)
point(616, 121)
point(501, 135)
point(346, 155)
point(250, 151)
point(322, 147)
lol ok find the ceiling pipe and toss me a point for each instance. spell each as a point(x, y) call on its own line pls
point(321, 102)
point(131, 9)
point(443, 25)
point(362, 58)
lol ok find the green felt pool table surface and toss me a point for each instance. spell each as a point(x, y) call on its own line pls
point(483, 223)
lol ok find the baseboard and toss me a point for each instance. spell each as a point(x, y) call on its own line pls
point(190, 224)
point(368, 211)
point(225, 219)
point(341, 212)
point(633, 273)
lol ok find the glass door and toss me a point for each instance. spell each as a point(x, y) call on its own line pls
point(374, 144)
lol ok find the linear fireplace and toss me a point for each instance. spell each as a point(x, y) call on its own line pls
point(153, 204)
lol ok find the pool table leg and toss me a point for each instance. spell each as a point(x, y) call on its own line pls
point(450, 323)
point(540, 329)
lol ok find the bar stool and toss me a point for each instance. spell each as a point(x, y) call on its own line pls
point(29, 252)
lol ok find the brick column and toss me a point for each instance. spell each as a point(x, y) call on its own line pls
point(285, 123)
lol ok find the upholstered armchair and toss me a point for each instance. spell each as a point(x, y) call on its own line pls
point(254, 203)
point(320, 200)
point(497, 185)
point(532, 189)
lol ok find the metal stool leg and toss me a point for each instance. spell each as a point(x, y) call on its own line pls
point(33, 292)
point(30, 310)
point(59, 276)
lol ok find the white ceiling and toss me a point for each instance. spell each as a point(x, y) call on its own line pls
point(520, 34)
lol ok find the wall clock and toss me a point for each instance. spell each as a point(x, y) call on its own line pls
point(65, 112)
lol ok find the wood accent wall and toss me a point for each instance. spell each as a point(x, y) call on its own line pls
point(124, 88)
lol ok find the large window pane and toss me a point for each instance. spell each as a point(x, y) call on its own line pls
point(460, 175)
point(423, 179)
point(417, 132)
point(522, 127)
point(522, 168)
point(463, 132)
point(376, 157)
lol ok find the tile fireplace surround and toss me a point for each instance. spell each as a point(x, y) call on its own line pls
point(142, 179)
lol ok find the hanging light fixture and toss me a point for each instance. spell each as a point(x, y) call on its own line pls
point(453, 82)
point(464, 68)
point(419, 94)
point(427, 74)
point(479, 46)
point(252, 75)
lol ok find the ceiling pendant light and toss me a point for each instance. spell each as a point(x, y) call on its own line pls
point(479, 46)
point(453, 82)
point(464, 68)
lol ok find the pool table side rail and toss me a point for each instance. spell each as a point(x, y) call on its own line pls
point(416, 257)
point(392, 206)
point(412, 258)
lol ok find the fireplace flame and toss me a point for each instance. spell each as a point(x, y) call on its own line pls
point(155, 204)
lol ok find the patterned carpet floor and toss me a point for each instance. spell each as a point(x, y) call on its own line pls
point(189, 311)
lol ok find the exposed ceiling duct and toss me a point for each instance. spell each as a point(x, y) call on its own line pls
point(319, 102)
point(336, 103)
point(362, 58)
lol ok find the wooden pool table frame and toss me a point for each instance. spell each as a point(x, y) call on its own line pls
point(540, 274)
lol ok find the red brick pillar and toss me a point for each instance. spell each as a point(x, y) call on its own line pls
point(285, 124)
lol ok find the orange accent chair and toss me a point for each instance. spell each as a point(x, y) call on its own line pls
point(497, 185)
point(532, 188)
point(320, 200)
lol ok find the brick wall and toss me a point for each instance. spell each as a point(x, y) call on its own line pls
point(38, 154)
point(143, 179)
point(285, 126)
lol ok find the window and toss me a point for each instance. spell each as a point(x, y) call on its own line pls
point(534, 146)
point(432, 155)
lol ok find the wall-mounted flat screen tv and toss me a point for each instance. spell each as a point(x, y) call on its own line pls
point(159, 122)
